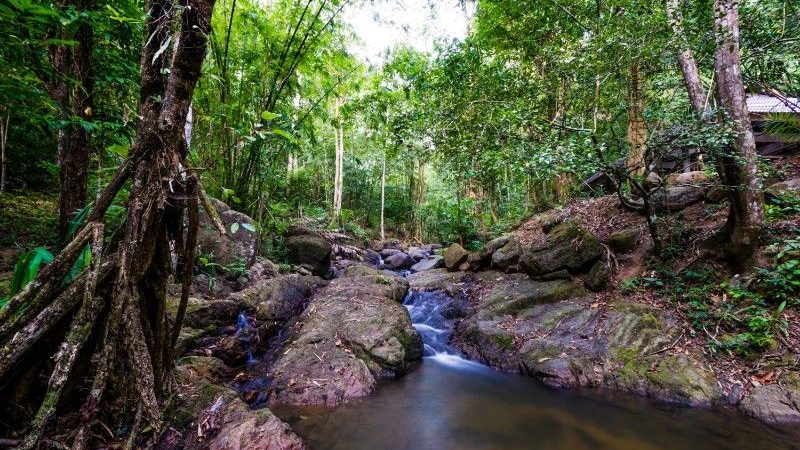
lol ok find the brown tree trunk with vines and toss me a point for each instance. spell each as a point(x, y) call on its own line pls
point(131, 353)
point(737, 166)
point(637, 129)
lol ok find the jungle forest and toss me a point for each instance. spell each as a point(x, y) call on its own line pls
point(399, 224)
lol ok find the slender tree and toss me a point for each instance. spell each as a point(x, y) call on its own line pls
point(71, 87)
point(383, 199)
point(738, 166)
point(685, 57)
point(637, 129)
point(4, 122)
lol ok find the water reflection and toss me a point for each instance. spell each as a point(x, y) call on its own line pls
point(444, 407)
point(453, 403)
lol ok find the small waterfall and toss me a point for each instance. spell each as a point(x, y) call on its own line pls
point(429, 317)
point(247, 333)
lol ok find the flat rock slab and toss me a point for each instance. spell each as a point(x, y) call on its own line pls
point(554, 332)
point(353, 333)
point(777, 404)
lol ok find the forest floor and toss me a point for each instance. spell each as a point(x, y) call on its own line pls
point(27, 219)
point(661, 283)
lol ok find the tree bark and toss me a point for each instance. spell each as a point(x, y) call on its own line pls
point(128, 285)
point(637, 130)
point(737, 167)
point(4, 121)
point(72, 91)
point(383, 199)
point(686, 61)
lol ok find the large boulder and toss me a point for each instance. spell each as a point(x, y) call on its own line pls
point(399, 261)
point(508, 255)
point(492, 246)
point(310, 251)
point(206, 313)
point(429, 263)
point(568, 247)
point(278, 299)
point(353, 333)
point(455, 256)
point(438, 280)
point(555, 332)
point(241, 241)
point(676, 198)
point(213, 416)
point(417, 253)
point(623, 241)
point(776, 404)
point(783, 188)
point(598, 277)
point(694, 178)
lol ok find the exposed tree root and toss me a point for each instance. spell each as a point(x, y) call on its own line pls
point(115, 311)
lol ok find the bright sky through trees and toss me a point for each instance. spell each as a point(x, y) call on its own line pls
point(417, 23)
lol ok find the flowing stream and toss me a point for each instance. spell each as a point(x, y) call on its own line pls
point(452, 403)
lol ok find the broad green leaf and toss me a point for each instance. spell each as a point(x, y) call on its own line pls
point(119, 150)
point(28, 266)
point(285, 135)
point(266, 115)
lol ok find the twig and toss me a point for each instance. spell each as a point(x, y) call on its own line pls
point(668, 347)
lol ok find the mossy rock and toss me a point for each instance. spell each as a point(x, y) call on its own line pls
point(568, 247)
point(623, 241)
point(513, 298)
point(508, 255)
point(454, 256)
point(598, 277)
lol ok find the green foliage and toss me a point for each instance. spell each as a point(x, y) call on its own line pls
point(782, 207)
point(27, 219)
point(781, 283)
point(28, 266)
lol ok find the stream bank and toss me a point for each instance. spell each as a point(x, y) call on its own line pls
point(296, 345)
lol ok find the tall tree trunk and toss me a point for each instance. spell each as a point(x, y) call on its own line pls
point(419, 198)
point(691, 74)
point(738, 166)
point(637, 130)
point(125, 285)
point(4, 121)
point(338, 180)
point(73, 93)
point(383, 199)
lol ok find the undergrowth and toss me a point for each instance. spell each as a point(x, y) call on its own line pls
point(744, 316)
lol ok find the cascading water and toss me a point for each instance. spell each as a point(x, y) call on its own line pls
point(247, 333)
point(429, 317)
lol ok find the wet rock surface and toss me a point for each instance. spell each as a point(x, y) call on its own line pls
point(776, 404)
point(354, 333)
point(553, 331)
point(214, 417)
